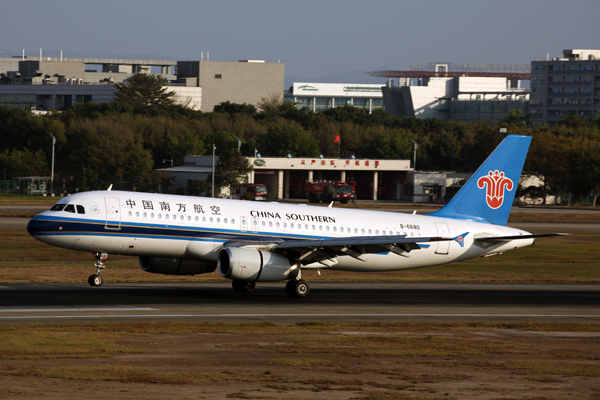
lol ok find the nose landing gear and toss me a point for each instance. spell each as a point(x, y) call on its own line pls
point(96, 279)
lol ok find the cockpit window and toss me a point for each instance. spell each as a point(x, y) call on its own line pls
point(58, 207)
point(70, 208)
point(80, 209)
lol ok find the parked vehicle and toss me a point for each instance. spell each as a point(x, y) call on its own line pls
point(328, 191)
point(253, 191)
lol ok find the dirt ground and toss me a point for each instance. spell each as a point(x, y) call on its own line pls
point(495, 363)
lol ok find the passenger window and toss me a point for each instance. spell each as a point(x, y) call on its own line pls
point(58, 207)
point(80, 210)
point(70, 208)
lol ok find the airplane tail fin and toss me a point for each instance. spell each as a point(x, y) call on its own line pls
point(489, 194)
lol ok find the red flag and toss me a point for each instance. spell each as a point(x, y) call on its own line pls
point(337, 139)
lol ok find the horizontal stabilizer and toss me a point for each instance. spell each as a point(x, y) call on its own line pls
point(516, 237)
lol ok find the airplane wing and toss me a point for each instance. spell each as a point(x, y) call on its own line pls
point(325, 251)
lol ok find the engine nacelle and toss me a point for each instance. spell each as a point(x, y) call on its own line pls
point(253, 265)
point(174, 266)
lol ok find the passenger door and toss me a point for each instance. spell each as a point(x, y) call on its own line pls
point(113, 213)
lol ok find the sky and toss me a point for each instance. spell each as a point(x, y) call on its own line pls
point(314, 38)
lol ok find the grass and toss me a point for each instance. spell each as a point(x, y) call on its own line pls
point(17, 199)
point(563, 368)
point(401, 339)
point(44, 343)
point(386, 361)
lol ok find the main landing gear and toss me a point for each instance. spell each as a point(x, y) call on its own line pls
point(243, 286)
point(294, 287)
point(297, 288)
point(96, 279)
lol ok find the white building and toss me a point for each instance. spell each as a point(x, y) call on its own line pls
point(322, 96)
point(463, 95)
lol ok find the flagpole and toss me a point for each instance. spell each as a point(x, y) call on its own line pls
point(339, 143)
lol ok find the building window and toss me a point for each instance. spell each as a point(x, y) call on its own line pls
point(342, 101)
point(217, 76)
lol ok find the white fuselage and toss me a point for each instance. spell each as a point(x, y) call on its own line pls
point(196, 228)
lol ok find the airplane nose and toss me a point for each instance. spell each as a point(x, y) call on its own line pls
point(37, 226)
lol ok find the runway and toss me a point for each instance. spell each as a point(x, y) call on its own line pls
point(216, 302)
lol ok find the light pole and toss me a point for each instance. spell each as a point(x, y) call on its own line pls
point(415, 155)
point(52, 176)
point(239, 143)
point(213, 172)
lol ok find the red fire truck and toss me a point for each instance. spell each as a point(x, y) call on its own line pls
point(256, 191)
point(328, 191)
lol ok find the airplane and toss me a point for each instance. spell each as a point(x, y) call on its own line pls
point(251, 242)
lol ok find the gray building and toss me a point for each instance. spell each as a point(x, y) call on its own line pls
point(565, 86)
point(58, 83)
point(246, 81)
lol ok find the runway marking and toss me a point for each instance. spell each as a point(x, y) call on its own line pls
point(303, 315)
point(7, 310)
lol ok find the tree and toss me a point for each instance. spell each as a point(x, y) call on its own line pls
point(284, 138)
point(274, 104)
point(23, 163)
point(516, 117)
point(105, 151)
point(227, 107)
point(232, 169)
point(549, 161)
point(143, 90)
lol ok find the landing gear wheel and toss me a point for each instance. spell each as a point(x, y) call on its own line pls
point(297, 288)
point(243, 286)
point(95, 280)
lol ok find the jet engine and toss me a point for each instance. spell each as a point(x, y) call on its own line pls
point(254, 265)
point(174, 266)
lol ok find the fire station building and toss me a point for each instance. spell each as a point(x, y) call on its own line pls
point(284, 177)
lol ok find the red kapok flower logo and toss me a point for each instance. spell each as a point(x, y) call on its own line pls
point(496, 182)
